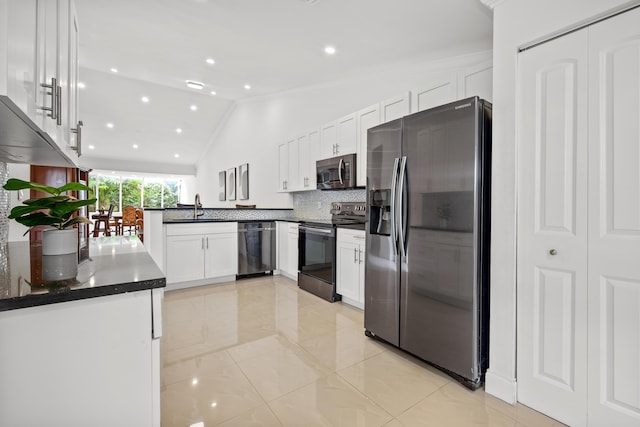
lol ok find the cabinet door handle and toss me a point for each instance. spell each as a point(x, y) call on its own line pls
point(207, 243)
point(202, 243)
point(360, 256)
point(53, 110)
point(78, 131)
point(337, 148)
point(355, 255)
point(59, 105)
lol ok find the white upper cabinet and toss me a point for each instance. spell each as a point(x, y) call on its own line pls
point(366, 118)
point(293, 180)
point(442, 89)
point(41, 56)
point(328, 140)
point(283, 166)
point(308, 149)
point(395, 108)
point(476, 81)
point(21, 63)
point(347, 135)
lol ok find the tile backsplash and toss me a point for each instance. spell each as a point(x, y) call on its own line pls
point(317, 204)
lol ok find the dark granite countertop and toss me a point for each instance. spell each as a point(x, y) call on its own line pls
point(116, 265)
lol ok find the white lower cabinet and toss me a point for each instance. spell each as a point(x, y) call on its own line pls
point(88, 362)
point(201, 251)
point(288, 249)
point(350, 256)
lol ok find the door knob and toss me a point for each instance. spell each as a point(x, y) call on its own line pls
point(552, 252)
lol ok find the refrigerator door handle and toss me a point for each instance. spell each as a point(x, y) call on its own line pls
point(401, 212)
point(394, 184)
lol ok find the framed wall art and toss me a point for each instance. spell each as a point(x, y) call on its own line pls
point(222, 186)
point(231, 184)
point(243, 181)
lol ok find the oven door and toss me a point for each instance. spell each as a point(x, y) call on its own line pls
point(317, 254)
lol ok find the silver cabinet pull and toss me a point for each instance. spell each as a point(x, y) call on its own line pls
point(355, 255)
point(552, 252)
point(360, 256)
point(59, 105)
point(53, 110)
point(202, 243)
point(337, 148)
point(78, 131)
point(207, 243)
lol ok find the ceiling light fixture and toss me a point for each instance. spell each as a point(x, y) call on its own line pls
point(179, 130)
point(91, 147)
point(110, 125)
point(195, 85)
point(176, 155)
point(247, 87)
point(194, 107)
point(210, 61)
point(114, 70)
point(135, 145)
point(145, 99)
point(81, 85)
point(213, 92)
point(330, 50)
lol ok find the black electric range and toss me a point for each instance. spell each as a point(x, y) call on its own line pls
point(317, 248)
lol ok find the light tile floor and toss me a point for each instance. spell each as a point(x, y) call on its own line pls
point(261, 352)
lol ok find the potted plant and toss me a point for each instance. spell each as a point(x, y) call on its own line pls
point(55, 211)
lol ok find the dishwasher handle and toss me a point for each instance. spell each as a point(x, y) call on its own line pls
point(244, 230)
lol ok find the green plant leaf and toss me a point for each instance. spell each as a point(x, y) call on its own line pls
point(18, 184)
point(73, 186)
point(45, 202)
point(37, 218)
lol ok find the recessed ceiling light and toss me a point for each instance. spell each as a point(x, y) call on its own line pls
point(194, 85)
point(210, 61)
point(213, 92)
point(194, 107)
point(179, 130)
point(247, 87)
point(91, 147)
point(214, 404)
point(176, 155)
point(194, 381)
point(145, 99)
point(114, 70)
point(110, 125)
point(81, 85)
point(330, 50)
point(135, 145)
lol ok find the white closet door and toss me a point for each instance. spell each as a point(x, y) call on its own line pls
point(552, 229)
point(614, 223)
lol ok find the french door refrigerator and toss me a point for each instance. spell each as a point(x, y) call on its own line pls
point(427, 258)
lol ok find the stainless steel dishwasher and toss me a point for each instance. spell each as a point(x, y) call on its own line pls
point(256, 248)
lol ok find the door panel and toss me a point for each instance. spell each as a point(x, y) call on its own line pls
point(382, 277)
point(614, 225)
point(552, 253)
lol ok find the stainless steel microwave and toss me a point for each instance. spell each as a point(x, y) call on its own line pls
point(336, 173)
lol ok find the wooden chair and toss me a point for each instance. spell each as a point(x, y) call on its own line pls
point(129, 218)
point(140, 224)
point(105, 220)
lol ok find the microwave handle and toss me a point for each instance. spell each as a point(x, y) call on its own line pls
point(340, 166)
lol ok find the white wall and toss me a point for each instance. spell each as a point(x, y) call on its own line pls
point(20, 171)
point(516, 23)
point(253, 129)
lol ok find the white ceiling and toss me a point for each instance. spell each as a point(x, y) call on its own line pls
point(273, 45)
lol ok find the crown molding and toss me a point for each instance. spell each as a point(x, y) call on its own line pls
point(491, 4)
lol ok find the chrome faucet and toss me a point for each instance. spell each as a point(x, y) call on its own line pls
point(197, 205)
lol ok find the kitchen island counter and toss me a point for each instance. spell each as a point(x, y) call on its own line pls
point(116, 265)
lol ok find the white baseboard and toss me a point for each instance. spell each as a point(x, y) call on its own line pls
point(503, 388)
point(202, 282)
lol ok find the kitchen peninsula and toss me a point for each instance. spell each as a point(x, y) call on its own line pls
point(84, 351)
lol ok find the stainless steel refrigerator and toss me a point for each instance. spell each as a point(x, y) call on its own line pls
point(427, 258)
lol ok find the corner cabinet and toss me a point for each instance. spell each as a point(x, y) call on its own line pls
point(196, 252)
point(350, 256)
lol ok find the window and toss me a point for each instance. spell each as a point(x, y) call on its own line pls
point(151, 192)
